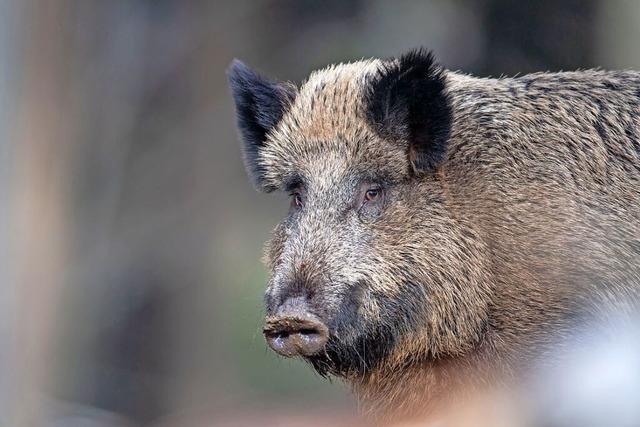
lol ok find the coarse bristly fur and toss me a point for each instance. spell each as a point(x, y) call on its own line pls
point(507, 213)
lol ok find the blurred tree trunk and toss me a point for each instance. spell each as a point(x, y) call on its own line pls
point(41, 137)
point(9, 289)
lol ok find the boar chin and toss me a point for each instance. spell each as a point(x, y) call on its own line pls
point(357, 357)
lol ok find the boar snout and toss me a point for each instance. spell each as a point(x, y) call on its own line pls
point(294, 330)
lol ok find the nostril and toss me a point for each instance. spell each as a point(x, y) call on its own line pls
point(287, 333)
point(278, 334)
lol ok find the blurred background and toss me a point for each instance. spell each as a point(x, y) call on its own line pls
point(131, 239)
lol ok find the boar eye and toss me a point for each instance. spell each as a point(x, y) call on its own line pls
point(373, 194)
point(296, 200)
point(371, 202)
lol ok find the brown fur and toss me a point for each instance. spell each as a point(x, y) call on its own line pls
point(472, 270)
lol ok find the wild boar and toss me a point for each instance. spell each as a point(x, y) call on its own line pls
point(442, 226)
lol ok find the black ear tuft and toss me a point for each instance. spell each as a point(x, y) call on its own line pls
point(260, 104)
point(408, 101)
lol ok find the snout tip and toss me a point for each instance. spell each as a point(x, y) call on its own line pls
point(296, 335)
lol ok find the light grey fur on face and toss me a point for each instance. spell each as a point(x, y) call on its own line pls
point(327, 124)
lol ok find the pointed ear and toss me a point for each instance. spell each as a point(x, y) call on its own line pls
point(408, 101)
point(260, 104)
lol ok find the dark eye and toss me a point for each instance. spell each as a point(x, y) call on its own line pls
point(372, 194)
point(296, 200)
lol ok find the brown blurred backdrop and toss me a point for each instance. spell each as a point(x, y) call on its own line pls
point(131, 237)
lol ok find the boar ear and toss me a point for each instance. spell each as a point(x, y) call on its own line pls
point(260, 104)
point(408, 101)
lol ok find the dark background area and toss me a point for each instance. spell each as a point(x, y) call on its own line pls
point(131, 266)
